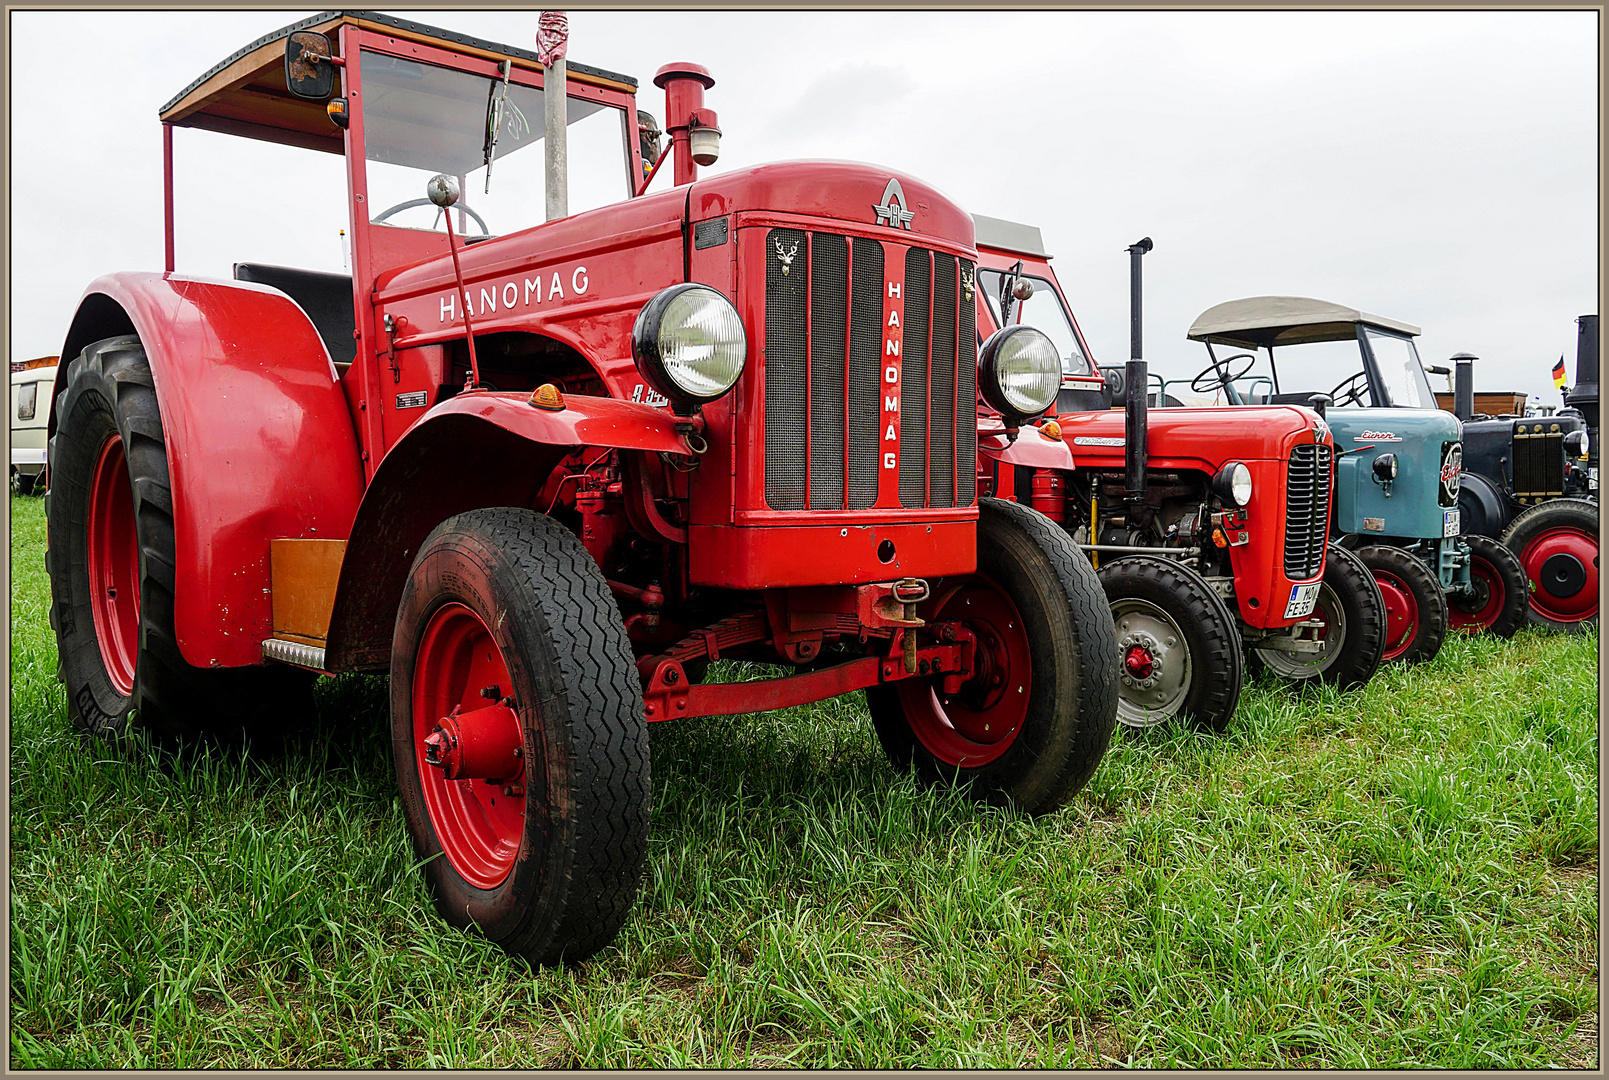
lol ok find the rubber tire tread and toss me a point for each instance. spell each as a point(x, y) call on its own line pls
point(1557, 513)
point(1362, 652)
point(109, 387)
point(1077, 730)
point(1211, 632)
point(1517, 587)
point(1428, 595)
point(594, 737)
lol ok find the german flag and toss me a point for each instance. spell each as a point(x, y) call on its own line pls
point(1558, 374)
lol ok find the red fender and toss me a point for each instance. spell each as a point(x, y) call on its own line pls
point(259, 438)
point(473, 450)
point(1030, 449)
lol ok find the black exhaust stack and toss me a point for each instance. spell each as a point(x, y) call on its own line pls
point(1583, 396)
point(1135, 387)
point(1464, 386)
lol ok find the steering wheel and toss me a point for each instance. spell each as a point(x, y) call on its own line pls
point(1349, 390)
point(1222, 373)
point(411, 203)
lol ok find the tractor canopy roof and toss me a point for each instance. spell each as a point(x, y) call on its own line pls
point(1266, 321)
point(1009, 236)
point(245, 93)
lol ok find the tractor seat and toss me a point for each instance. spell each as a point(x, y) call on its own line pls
point(327, 299)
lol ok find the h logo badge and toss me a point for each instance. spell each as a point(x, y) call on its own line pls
point(891, 211)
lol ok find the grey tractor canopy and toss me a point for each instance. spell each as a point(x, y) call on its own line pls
point(1370, 359)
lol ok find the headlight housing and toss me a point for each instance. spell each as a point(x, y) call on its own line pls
point(1385, 468)
point(689, 344)
point(1019, 372)
point(1233, 484)
point(1577, 444)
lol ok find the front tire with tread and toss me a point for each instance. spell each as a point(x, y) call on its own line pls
point(1071, 707)
point(580, 843)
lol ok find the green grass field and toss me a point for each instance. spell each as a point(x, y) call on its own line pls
point(1405, 876)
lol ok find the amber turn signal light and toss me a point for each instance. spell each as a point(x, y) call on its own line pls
point(547, 397)
point(337, 111)
point(1219, 538)
point(1051, 430)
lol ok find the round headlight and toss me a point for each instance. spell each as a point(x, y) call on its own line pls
point(689, 343)
point(1233, 483)
point(1577, 444)
point(1019, 371)
point(1385, 467)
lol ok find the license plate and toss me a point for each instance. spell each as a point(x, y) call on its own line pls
point(1303, 597)
point(1449, 523)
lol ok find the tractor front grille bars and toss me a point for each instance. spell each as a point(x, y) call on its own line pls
point(823, 375)
point(1307, 509)
point(1538, 463)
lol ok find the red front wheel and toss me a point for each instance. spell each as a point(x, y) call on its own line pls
point(518, 735)
point(1496, 599)
point(1415, 605)
point(1031, 723)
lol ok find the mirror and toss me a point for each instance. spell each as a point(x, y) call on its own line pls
point(308, 72)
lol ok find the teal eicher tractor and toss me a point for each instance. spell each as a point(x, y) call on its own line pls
point(1399, 458)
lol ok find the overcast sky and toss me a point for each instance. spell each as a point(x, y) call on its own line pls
point(1440, 168)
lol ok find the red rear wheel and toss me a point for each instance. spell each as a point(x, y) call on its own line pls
point(1557, 545)
point(114, 565)
point(977, 725)
point(1562, 564)
point(479, 820)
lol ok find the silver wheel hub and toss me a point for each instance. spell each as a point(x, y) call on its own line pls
point(1148, 699)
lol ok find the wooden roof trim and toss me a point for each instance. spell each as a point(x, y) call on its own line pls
point(272, 51)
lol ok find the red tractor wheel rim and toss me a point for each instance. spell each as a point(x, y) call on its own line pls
point(114, 565)
point(478, 823)
point(977, 725)
point(1563, 560)
point(1489, 591)
point(1402, 613)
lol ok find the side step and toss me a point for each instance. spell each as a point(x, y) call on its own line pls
point(294, 652)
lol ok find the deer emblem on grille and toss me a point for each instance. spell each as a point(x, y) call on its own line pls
point(785, 257)
point(966, 283)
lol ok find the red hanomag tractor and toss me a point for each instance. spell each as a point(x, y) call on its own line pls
point(544, 477)
point(1210, 526)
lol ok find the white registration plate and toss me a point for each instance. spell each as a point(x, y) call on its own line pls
point(1449, 523)
point(1303, 597)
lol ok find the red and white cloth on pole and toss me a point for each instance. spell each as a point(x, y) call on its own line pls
point(552, 37)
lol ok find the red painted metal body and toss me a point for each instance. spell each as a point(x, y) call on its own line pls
point(259, 439)
point(267, 440)
point(1180, 440)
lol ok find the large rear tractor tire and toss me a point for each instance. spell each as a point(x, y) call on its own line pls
point(109, 512)
point(1557, 543)
point(1500, 593)
point(1416, 606)
point(1179, 651)
point(518, 735)
point(1353, 617)
point(1030, 727)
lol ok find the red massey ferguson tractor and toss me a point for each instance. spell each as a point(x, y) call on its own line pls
point(1209, 526)
point(543, 474)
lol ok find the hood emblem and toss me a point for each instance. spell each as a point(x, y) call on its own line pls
point(1452, 469)
point(1378, 437)
point(891, 211)
point(785, 257)
point(966, 283)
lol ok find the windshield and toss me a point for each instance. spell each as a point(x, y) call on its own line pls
point(1400, 370)
point(420, 120)
point(1042, 311)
